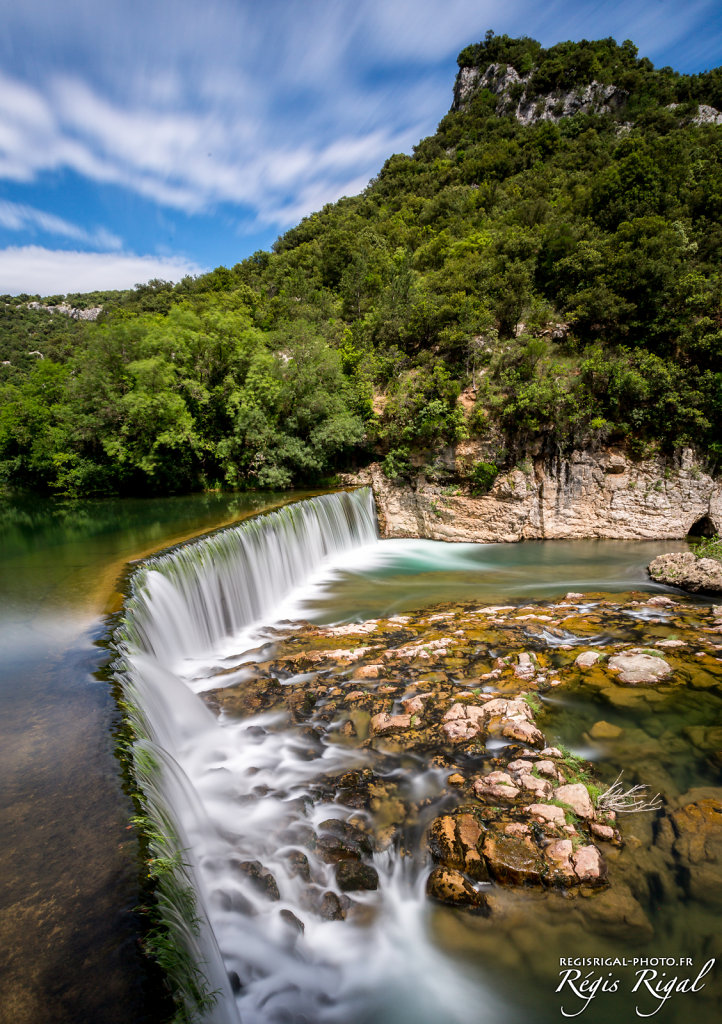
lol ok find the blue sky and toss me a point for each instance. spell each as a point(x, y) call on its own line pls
point(166, 137)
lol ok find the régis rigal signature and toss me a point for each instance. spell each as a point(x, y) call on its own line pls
point(654, 987)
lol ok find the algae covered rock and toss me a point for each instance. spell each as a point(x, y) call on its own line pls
point(513, 859)
point(352, 876)
point(445, 885)
point(454, 840)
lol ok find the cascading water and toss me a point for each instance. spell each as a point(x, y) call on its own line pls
point(236, 795)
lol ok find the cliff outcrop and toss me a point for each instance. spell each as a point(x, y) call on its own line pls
point(514, 96)
point(586, 494)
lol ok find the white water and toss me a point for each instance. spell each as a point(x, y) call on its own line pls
point(236, 791)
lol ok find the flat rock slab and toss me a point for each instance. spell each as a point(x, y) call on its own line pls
point(637, 669)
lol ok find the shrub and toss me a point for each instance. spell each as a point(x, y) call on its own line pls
point(481, 476)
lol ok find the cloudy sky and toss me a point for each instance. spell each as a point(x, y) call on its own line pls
point(156, 138)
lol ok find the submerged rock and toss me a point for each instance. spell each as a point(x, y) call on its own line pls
point(605, 731)
point(697, 848)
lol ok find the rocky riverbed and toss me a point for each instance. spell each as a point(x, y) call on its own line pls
point(452, 713)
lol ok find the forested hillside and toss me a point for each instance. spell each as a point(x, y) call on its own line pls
point(539, 280)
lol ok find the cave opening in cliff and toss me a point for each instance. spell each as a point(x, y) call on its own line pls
point(703, 527)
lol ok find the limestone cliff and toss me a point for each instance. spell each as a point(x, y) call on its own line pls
point(512, 90)
point(514, 96)
point(586, 494)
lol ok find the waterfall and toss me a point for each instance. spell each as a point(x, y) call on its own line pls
point(187, 601)
point(234, 800)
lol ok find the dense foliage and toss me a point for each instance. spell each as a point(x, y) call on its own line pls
point(533, 286)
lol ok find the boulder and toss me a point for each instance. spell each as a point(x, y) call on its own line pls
point(637, 669)
point(559, 856)
point(605, 832)
point(352, 876)
point(387, 723)
point(685, 570)
point(260, 878)
point(448, 886)
point(589, 866)
point(524, 732)
point(496, 786)
point(331, 908)
point(513, 859)
point(525, 667)
point(548, 768)
point(351, 838)
point(577, 797)
point(463, 721)
point(454, 842)
point(547, 812)
point(541, 789)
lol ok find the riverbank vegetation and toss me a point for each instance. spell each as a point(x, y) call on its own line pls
point(537, 286)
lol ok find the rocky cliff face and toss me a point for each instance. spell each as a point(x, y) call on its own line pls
point(512, 90)
point(92, 313)
point(587, 494)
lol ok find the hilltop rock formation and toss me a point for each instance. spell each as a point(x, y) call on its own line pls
point(513, 92)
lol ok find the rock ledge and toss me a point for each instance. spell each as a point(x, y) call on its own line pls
point(685, 570)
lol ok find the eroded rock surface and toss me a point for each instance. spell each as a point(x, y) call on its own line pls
point(685, 570)
point(585, 494)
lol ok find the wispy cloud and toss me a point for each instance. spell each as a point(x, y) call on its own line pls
point(41, 271)
point(19, 217)
point(189, 160)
